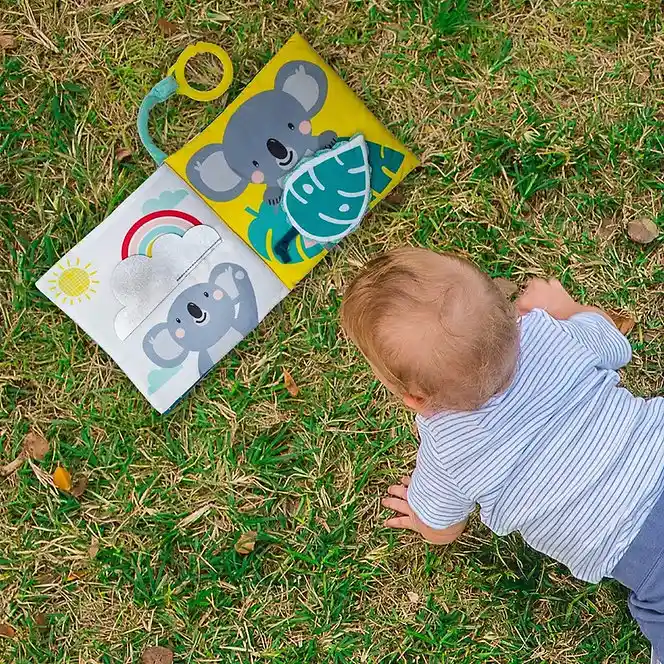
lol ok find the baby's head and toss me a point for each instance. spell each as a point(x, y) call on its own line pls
point(436, 331)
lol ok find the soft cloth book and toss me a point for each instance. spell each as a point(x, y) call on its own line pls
point(198, 255)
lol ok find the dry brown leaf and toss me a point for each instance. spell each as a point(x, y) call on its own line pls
point(167, 28)
point(47, 579)
point(13, 466)
point(246, 542)
point(7, 630)
point(624, 323)
point(157, 655)
point(290, 384)
point(35, 446)
point(122, 154)
point(641, 78)
point(413, 597)
point(79, 488)
point(508, 288)
point(94, 547)
point(41, 621)
point(642, 230)
point(606, 228)
point(396, 198)
point(62, 479)
point(7, 42)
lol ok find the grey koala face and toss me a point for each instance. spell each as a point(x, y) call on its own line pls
point(275, 143)
point(265, 137)
point(200, 316)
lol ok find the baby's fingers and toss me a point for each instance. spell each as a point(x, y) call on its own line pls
point(397, 505)
point(400, 522)
point(398, 490)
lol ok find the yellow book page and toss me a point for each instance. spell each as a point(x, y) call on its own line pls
point(295, 106)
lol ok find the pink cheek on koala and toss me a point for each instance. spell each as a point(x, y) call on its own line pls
point(305, 127)
point(217, 295)
point(179, 333)
point(257, 177)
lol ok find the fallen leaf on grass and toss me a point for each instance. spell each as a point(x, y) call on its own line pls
point(246, 542)
point(94, 547)
point(7, 630)
point(641, 78)
point(395, 198)
point(508, 288)
point(642, 230)
point(290, 384)
point(220, 17)
point(62, 479)
point(624, 323)
point(47, 579)
point(79, 488)
point(41, 621)
point(157, 655)
point(35, 446)
point(122, 154)
point(13, 466)
point(7, 42)
point(413, 597)
point(606, 228)
point(167, 28)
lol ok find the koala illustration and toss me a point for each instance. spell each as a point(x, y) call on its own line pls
point(201, 316)
point(265, 137)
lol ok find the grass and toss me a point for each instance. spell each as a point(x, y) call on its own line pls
point(541, 130)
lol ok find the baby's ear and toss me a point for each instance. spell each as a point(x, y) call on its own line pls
point(210, 173)
point(416, 403)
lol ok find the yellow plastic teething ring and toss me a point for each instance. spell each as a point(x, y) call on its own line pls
point(177, 71)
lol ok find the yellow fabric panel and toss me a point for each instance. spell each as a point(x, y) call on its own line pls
point(343, 113)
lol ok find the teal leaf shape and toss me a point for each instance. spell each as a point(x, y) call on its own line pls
point(326, 197)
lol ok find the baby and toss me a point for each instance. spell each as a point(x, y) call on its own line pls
point(519, 411)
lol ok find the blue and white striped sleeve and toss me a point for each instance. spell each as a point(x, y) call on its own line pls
point(601, 337)
point(433, 494)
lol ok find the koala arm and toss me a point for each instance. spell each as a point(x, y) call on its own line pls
point(233, 278)
point(160, 347)
point(326, 140)
point(272, 195)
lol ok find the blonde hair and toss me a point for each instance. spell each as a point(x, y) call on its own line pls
point(434, 327)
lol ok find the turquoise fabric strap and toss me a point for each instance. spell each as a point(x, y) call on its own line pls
point(166, 88)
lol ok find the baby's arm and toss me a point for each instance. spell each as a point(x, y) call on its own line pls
point(550, 296)
point(409, 520)
point(589, 326)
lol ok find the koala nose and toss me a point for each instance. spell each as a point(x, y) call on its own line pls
point(276, 148)
point(194, 310)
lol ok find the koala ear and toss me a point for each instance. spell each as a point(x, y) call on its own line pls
point(162, 349)
point(209, 173)
point(306, 82)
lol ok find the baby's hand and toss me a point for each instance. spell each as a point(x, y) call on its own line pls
point(408, 519)
point(551, 297)
point(400, 505)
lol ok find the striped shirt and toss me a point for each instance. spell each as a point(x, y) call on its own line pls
point(565, 456)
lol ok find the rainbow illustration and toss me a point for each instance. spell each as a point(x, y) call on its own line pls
point(141, 236)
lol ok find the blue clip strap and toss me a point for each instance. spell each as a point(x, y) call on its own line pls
point(166, 88)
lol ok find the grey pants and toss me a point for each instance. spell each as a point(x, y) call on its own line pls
point(641, 569)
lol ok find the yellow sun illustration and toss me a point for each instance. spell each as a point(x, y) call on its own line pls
point(73, 282)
